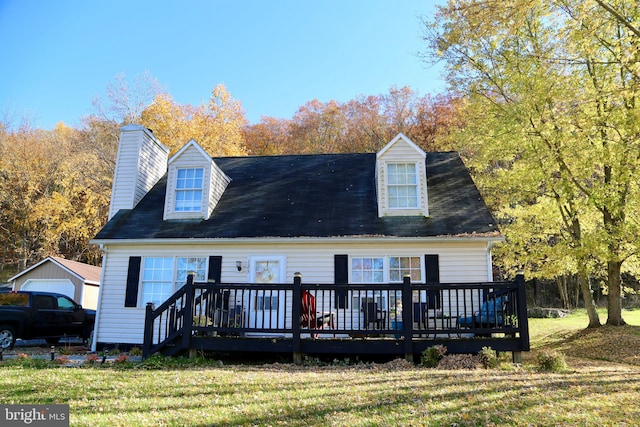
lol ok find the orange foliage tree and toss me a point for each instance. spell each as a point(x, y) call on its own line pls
point(216, 125)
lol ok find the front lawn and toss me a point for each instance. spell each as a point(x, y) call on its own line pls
point(201, 393)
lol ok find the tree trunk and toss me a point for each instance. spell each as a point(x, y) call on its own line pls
point(561, 281)
point(587, 296)
point(614, 309)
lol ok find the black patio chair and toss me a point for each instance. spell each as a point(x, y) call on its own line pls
point(372, 314)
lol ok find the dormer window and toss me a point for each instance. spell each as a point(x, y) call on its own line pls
point(195, 184)
point(402, 180)
point(189, 185)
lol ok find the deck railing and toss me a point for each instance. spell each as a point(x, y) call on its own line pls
point(405, 318)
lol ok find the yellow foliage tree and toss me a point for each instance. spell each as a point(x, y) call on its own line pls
point(216, 126)
point(50, 202)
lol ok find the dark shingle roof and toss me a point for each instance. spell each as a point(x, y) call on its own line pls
point(329, 195)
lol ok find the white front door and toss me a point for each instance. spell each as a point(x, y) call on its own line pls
point(266, 307)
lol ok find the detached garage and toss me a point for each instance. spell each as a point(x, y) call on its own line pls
point(77, 280)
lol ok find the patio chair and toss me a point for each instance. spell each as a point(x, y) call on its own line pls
point(491, 314)
point(309, 317)
point(372, 314)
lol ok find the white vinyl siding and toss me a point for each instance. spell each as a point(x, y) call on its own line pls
point(460, 262)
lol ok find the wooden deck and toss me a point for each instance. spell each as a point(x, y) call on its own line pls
point(341, 319)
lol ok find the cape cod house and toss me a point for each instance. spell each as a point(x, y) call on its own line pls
point(253, 222)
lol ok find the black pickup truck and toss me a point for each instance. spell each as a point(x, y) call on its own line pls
point(30, 315)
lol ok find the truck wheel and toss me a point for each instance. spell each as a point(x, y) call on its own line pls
point(52, 341)
point(7, 337)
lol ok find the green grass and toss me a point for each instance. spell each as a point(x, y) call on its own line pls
point(200, 393)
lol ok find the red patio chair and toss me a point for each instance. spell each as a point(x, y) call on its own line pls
point(309, 317)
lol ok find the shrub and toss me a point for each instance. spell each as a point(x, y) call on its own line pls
point(135, 351)
point(121, 359)
point(91, 358)
point(432, 356)
point(552, 361)
point(488, 358)
point(62, 360)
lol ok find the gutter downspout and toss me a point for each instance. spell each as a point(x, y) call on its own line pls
point(94, 340)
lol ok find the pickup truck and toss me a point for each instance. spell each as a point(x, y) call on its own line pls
point(31, 315)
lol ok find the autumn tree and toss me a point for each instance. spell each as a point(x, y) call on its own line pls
point(48, 201)
point(363, 124)
point(216, 126)
point(553, 124)
point(267, 138)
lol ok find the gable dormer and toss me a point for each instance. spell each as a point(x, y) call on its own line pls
point(401, 179)
point(194, 184)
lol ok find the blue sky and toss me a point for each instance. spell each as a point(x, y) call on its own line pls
point(273, 56)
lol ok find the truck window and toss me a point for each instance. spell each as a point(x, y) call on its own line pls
point(44, 302)
point(65, 304)
point(21, 300)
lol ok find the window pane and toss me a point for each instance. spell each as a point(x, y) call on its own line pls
point(378, 277)
point(367, 270)
point(186, 265)
point(157, 284)
point(394, 275)
point(405, 266)
point(394, 262)
point(402, 183)
point(189, 190)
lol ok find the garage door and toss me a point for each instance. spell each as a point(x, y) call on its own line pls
point(64, 287)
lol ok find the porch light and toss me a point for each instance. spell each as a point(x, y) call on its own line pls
point(239, 265)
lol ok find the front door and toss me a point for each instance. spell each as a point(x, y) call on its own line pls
point(267, 306)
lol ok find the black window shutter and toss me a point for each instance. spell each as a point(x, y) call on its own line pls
point(215, 269)
point(133, 280)
point(433, 268)
point(341, 277)
point(433, 276)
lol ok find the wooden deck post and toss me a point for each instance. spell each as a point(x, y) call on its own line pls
point(148, 331)
point(523, 320)
point(295, 317)
point(407, 317)
point(187, 314)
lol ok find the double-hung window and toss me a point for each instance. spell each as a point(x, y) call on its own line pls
point(367, 270)
point(399, 266)
point(402, 181)
point(390, 269)
point(157, 280)
point(161, 276)
point(190, 265)
point(189, 186)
